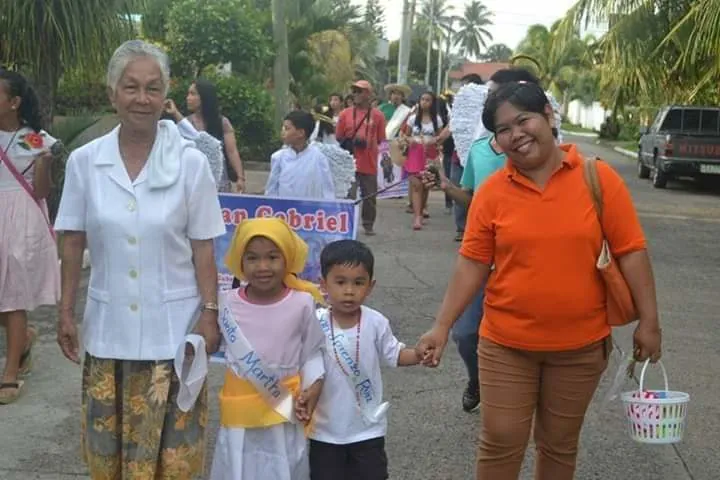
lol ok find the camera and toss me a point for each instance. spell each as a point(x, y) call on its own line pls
point(350, 144)
point(359, 143)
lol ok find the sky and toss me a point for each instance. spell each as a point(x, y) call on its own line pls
point(511, 17)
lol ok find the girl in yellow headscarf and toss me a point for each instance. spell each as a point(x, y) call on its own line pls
point(274, 355)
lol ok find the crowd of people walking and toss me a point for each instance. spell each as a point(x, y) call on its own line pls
point(302, 395)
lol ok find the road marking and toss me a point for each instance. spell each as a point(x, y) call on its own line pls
point(669, 216)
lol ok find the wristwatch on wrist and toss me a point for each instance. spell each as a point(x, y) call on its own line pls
point(210, 306)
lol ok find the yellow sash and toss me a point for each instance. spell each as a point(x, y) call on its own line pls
point(241, 406)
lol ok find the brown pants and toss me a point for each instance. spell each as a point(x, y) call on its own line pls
point(555, 387)
point(368, 186)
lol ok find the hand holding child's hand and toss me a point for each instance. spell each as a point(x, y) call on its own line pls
point(307, 401)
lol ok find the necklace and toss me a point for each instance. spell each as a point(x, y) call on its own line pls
point(357, 344)
point(12, 139)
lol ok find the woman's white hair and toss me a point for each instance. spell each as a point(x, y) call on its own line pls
point(131, 50)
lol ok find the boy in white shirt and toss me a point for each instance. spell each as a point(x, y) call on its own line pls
point(349, 425)
point(300, 170)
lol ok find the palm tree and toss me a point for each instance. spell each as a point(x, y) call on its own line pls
point(652, 49)
point(446, 31)
point(434, 14)
point(472, 35)
point(329, 26)
point(558, 67)
point(498, 52)
point(46, 37)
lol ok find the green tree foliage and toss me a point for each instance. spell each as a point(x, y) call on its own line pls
point(155, 18)
point(202, 33)
point(375, 17)
point(652, 52)
point(561, 66)
point(498, 52)
point(44, 38)
point(416, 67)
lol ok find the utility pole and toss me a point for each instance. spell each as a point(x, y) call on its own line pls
point(438, 85)
point(281, 70)
point(431, 33)
point(408, 15)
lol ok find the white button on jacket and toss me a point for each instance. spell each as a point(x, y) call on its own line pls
point(143, 297)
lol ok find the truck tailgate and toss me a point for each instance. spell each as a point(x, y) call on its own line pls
point(693, 147)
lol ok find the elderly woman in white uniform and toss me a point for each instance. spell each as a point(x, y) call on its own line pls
point(144, 200)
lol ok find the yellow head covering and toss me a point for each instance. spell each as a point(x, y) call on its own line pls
point(293, 248)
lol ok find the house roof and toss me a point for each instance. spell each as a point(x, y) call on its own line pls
point(484, 69)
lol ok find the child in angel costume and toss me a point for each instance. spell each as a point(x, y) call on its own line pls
point(466, 119)
point(308, 170)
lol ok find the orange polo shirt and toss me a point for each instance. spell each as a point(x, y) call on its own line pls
point(545, 293)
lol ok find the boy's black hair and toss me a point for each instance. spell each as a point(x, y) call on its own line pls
point(303, 121)
point(472, 78)
point(349, 253)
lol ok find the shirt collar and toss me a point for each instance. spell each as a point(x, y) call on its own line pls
point(570, 160)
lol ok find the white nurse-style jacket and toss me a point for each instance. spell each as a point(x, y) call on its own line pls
point(143, 296)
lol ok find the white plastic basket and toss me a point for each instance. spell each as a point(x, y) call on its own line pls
point(655, 416)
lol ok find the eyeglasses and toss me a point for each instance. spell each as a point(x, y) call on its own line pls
point(356, 90)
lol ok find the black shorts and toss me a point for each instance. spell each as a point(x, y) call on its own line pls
point(354, 461)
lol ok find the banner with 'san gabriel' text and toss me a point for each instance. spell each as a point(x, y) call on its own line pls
point(318, 222)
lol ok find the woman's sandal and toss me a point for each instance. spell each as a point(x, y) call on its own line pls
point(417, 224)
point(26, 359)
point(7, 399)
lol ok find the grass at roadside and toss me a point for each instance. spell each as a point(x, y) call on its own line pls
point(569, 127)
point(632, 146)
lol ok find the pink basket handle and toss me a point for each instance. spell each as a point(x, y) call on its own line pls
point(642, 374)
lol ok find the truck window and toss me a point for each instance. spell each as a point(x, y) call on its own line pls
point(710, 122)
point(673, 120)
point(691, 120)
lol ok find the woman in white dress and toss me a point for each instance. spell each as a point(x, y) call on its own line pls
point(29, 273)
point(144, 201)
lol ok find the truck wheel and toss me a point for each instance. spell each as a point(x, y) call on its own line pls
point(659, 178)
point(643, 171)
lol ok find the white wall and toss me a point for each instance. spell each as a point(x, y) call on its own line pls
point(587, 116)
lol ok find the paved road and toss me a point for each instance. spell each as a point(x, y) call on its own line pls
point(430, 437)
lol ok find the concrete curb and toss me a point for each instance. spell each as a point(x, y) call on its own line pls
point(579, 134)
point(626, 152)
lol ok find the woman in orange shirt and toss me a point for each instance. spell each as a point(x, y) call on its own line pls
point(545, 340)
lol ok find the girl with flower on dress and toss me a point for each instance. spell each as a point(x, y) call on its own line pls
point(29, 271)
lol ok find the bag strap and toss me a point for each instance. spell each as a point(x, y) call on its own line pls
point(365, 120)
point(26, 186)
point(18, 176)
point(592, 179)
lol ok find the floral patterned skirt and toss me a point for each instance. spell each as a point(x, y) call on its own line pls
point(132, 428)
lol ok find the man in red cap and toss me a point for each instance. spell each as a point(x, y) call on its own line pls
point(360, 130)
